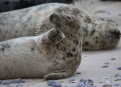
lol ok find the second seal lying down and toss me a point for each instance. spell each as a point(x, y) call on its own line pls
point(55, 54)
point(97, 34)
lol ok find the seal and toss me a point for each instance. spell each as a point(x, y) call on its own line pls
point(98, 34)
point(55, 54)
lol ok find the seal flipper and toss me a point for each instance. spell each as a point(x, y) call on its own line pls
point(58, 75)
point(53, 35)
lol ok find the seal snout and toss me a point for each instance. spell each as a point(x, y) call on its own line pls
point(117, 34)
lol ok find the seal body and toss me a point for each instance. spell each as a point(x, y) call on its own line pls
point(97, 34)
point(55, 54)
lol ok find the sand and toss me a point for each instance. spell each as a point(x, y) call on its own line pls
point(92, 61)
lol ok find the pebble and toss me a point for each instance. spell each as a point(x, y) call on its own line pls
point(56, 84)
point(82, 80)
point(89, 82)
point(113, 58)
point(8, 86)
point(116, 85)
point(72, 80)
point(81, 84)
point(118, 79)
point(105, 66)
point(119, 68)
point(117, 75)
point(19, 85)
point(100, 82)
point(107, 85)
point(119, 14)
point(106, 62)
point(50, 82)
point(77, 72)
point(105, 77)
point(17, 80)
point(5, 82)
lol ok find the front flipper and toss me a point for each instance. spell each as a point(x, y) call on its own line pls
point(55, 35)
point(56, 76)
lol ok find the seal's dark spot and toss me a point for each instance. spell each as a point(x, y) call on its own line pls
point(64, 58)
point(32, 49)
point(69, 54)
point(16, 31)
point(96, 41)
point(73, 49)
point(96, 37)
point(92, 32)
point(4, 46)
point(2, 49)
point(76, 42)
point(87, 20)
point(86, 43)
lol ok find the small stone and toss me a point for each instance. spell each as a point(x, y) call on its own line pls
point(19, 85)
point(80, 84)
point(118, 79)
point(100, 82)
point(8, 86)
point(119, 68)
point(17, 80)
point(77, 72)
point(105, 66)
point(116, 85)
point(113, 58)
point(117, 75)
point(71, 80)
point(119, 14)
point(105, 77)
point(50, 82)
point(106, 62)
point(89, 82)
point(82, 80)
point(107, 85)
point(91, 86)
point(5, 82)
point(56, 85)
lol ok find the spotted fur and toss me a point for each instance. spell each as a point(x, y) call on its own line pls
point(49, 55)
point(97, 34)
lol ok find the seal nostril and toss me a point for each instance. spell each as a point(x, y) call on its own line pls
point(116, 34)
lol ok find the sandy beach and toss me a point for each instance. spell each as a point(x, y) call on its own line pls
point(92, 64)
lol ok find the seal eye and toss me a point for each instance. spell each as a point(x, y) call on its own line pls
point(68, 17)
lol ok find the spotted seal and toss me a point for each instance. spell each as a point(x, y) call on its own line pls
point(55, 54)
point(97, 34)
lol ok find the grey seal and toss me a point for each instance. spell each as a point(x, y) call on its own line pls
point(97, 34)
point(55, 54)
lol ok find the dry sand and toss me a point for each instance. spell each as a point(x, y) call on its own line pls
point(92, 62)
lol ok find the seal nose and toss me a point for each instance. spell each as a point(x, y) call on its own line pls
point(117, 34)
